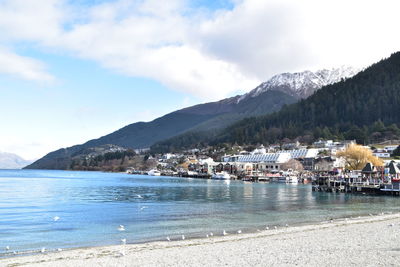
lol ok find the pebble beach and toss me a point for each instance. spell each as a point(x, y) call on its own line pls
point(367, 241)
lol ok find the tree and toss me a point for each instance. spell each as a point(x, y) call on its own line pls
point(396, 152)
point(357, 157)
point(292, 164)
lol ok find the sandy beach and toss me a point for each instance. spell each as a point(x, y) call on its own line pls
point(367, 241)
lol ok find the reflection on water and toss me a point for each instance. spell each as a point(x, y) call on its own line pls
point(92, 205)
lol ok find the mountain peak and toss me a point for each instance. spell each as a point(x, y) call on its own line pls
point(12, 161)
point(302, 84)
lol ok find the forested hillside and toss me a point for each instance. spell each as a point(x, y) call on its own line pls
point(365, 107)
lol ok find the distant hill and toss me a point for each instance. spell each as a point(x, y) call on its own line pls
point(203, 119)
point(12, 161)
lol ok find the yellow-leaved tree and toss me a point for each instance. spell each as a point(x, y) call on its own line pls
point(357, 157)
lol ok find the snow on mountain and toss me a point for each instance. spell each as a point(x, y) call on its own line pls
point(12, 161)
point(302, 84)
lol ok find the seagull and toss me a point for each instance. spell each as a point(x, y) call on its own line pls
point(258, 230)
point(123, 241)
point(287, 225)
point(43, 250)
point(121, 228)
point(370, 214)
point(169, 239)
point(8, 248)
point(207, 235)
point(183, 237)
point(56, 218)
point(239, 231)
point(266, 228)
point(211, 234)
point(139, 196)
point(59, 249)
point(331, 221)
point(224, 232)
point(142, 208)
point(275, 227)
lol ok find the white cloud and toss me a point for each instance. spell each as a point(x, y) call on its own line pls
point(31, 19)
point(23, 67)
point(207, 53)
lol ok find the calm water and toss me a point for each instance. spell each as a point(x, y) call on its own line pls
point(92, 205)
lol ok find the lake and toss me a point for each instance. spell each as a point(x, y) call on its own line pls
point(63, 209)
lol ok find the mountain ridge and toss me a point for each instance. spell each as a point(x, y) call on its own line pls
point(363, 107)
point(12, 161)
point(211, 117)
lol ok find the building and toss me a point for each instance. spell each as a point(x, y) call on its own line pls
point(390, 148)
point(305, 156)
point(265, 162)
point(381, 154)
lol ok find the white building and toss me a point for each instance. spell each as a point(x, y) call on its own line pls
point(390, 148)
point(381, 154)
point(301, 153)
point(265, 162)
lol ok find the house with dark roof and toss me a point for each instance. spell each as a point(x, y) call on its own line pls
point(371, 174)
point(393, 172)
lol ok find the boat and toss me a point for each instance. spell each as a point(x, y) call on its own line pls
point(154, 173)
point(290, 179)
point(221, 176)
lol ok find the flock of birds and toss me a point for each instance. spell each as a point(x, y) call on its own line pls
point(121, 228)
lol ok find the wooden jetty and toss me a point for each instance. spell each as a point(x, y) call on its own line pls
point(344, 185)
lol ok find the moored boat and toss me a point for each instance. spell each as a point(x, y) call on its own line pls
point(154, 173)
point(221, 176)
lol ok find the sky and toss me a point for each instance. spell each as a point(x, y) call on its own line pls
point(74, 70)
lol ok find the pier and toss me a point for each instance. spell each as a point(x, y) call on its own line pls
point(343, 185)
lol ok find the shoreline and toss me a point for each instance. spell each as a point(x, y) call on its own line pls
point(153, 253)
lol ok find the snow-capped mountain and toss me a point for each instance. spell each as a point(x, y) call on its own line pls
point(12, 161)
point(302, 84)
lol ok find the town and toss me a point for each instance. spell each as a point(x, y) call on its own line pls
point(326, 164)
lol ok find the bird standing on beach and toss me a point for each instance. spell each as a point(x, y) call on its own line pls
point(183, 237)
point(43, 250)
point(266, 228)
point(122, 253)
point(239, 231)
point(275, 227)
point(224, 232)
point(123, 241)
point(211, 234)
point(168, 239)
